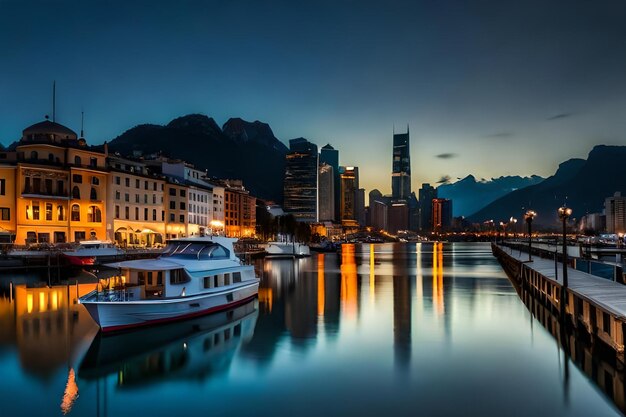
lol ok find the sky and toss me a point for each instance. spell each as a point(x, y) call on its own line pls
point(489, 88)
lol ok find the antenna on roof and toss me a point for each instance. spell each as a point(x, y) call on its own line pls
point(82, 123)
point(54, 100)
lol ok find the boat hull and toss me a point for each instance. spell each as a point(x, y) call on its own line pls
point(114, 316)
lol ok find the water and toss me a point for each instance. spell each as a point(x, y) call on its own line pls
point(376, 330)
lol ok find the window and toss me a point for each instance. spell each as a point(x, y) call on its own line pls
point(173, 192)
point(137, 198)
point(93, 195)
point(36, 211)
point(5, 213)
point(145, 198)
point(37, 185)
point(3, 189)
point(118, 195)
point(182, 206)
point(60, 213)
point(154, 186)
point(95, 181)
point(145, 214)
point(94, 215)
point(162, 215)
point(50, 157)
point(154, 215)
point(182, 218)
point(76, 192)
point(153, 198)
point(145, 185)
point(183, 193)
point(49, 211)
point(127, 182)
point(60, 187)
point(31, 237)
point(118, 180)
point(136, 213)
point(236, 277)
point(117, 212)
point(77, 178)
point(77, 160)
point(43, 238)
point(127, 213)
point(27, 185)
point(226, 279)
point(136, 183)
point(34, 155)
point(177, 276)
point(78, 236)
point(127, 197)
point(93, 162)
point(48, 186)
point(59, 237)
point(172, 205)
point(172, 217)
point(75, 213)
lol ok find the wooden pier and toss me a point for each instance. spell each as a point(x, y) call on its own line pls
point(595, 306)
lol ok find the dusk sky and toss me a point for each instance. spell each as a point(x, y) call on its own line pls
point(488, 87)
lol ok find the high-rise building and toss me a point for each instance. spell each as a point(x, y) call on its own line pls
point(330, 156)
point(442, 214)
point(349, 189)
point(377, 210)
point(326, 195)
point(397, 216)
point(300, 186)
point(426, 195)
point(615, 210)
point(401, 163)
point(360, 206)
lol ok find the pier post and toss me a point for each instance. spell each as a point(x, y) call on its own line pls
point(564, 213)
point(11, 292)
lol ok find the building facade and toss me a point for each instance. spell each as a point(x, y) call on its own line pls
point(330, 156)
point(349, 189)
point(326, 196)
point(401, 166)
point(426, 195)
point(441, 214)
point(615, 210)
point(300, 185)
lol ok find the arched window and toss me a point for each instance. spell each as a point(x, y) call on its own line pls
point(77, 160)
point(94, 215)
point(93, 195)
point(60, 213)
point(34, 155)
point(51, 157)
point(76, 192)
point(75, 213)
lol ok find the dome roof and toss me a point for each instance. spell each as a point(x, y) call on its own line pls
point(48, 130)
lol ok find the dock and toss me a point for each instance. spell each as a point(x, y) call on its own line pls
point(594, 305)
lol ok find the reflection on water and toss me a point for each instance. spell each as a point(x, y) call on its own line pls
point(406, 329)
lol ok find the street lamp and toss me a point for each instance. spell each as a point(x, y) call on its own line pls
point(564, 213)
point(503, 226)
point(529, 216)
point(513, 221)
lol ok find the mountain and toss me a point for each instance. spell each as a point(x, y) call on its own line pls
point(581, 184)
point(241, 149)
point(469, 195)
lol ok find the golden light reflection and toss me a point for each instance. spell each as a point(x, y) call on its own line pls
point(54, 301)
point(348, 280)
point(419, 277)
point(320, 285)
point(29, 303)
point(372, 275)
point(42, 302)
point(71, 393)
point(266, 297)
point(438, 278)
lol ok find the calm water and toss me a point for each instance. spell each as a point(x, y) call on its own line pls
point(376, 330)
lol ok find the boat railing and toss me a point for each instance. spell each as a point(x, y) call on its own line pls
point(122, 293)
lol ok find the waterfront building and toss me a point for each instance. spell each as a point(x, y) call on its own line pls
point(360, 206)
point(176, 218)
point(135, 203)
point(330, 156)
point(441, 214)
point(426, 195)
point(326, 196)
point(7, 202)
point(594, 222)
point(397, 216)
point(401, 164)
point(61, 187)
point(349, 189)
point(300, 185)
point(615, 210)
point(239, 210)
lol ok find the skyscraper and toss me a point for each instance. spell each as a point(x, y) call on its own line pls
point(442, 214)
point(401, 164)
point(349, 190)
point(426, 195)
point(326, 195)
point(615, 209)
point(330, 156)
point(301, 180)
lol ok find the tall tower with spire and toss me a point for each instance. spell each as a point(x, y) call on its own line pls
point(401, 166)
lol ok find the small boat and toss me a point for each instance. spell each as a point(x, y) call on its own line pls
point(193, 276)
point(89, 252)
point(286, 250)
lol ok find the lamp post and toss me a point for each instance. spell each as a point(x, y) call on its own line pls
point(529, 216)
point(513, 221)
point(564, 213)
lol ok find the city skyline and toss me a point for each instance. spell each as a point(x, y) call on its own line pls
point(467, 78)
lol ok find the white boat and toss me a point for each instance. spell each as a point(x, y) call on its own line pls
point(89, 252)
point(286, 250)
point(192, 277)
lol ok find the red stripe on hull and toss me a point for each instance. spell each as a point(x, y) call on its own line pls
point(178, 318)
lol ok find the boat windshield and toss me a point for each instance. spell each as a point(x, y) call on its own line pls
point(195, 250)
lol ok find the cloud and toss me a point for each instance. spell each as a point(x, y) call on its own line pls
point(446, 155)
point(560, 116)
point(444, 180)
point(500, 135)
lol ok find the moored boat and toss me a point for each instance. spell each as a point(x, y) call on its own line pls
point(89, 252)
point(286, 250)
point(192, 277)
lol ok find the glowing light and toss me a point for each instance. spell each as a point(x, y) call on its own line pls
point(54, 301)
point(348, 280)
point(320, 285)
point(71, 393)
point(438, 277)
point(29, 303)
point(42, 302)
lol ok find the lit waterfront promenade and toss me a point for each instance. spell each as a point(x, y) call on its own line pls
point(594, 304)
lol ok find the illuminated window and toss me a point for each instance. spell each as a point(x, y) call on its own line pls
point(94, 214)
point(60, 213)
point(49, 211)
point(36, 211)
point(75, 213)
